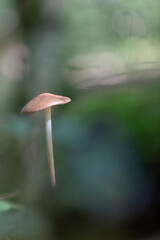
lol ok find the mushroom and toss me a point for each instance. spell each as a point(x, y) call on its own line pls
point(44, 102)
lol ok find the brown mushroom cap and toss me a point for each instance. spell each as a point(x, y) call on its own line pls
point(43, 101)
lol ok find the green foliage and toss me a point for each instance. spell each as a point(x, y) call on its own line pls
point(104, 54)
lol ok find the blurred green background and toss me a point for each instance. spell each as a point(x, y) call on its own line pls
point(105, 56)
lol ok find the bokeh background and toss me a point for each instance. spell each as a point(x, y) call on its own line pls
point(105, 56)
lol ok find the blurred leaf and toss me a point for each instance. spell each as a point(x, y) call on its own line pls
point(5, 205)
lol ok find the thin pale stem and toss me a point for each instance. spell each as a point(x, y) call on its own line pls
point(48, 123)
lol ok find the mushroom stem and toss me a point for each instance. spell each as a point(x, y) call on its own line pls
point(48, 123)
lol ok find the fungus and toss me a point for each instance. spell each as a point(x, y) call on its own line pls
point(44, 102)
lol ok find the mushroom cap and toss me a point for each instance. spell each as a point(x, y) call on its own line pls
point(43, 101)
